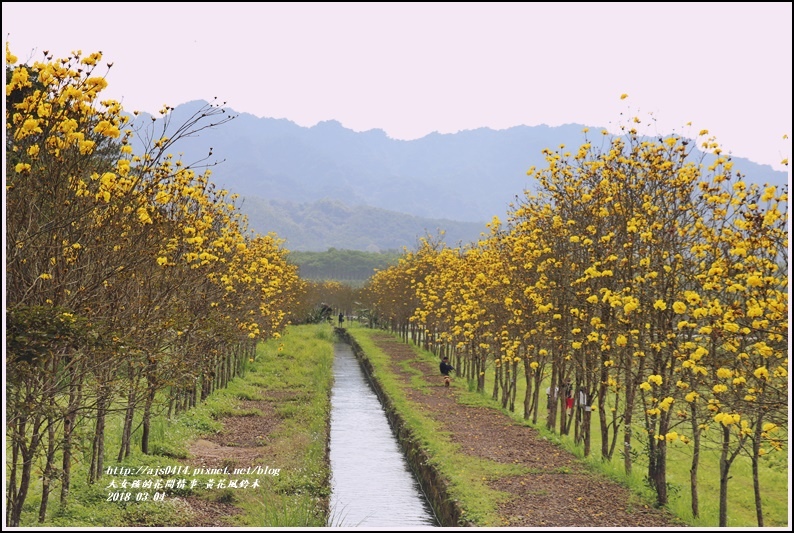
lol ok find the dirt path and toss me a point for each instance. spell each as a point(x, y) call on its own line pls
point(243, 442)
point(559, 491)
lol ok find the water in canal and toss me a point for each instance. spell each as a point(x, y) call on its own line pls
point(371, 482)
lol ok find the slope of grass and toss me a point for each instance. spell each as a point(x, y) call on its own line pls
point(469, 485)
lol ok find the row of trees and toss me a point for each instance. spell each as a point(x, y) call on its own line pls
point(658, 286)
point(132, 284)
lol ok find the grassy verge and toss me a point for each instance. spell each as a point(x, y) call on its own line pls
point(466, 485)
point(301, 370)
point(774, 475)
point(294, 374)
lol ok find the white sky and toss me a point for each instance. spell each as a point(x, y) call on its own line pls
point(414, 68)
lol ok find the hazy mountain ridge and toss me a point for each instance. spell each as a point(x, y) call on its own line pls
point(324, 224)
point(469, 176)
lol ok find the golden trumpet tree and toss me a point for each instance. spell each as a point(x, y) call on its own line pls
point(154, 264)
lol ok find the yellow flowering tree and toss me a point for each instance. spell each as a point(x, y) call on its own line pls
point(156, 267)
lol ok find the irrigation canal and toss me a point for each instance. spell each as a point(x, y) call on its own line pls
point(371, 481)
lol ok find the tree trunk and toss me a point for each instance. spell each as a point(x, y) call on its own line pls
point(537, 379)
point(481, 373)
point(628, 418)
point(497, 378)
point(528, 392)
point(11, 491)
point(98, 443)
point(47, 474)
point(724, 469)
point(602, 416)
point(151, 391)
point(513, 387)
point(693, 469)
point(759, 513)
point(553, 396)
point(18, 495)
point(657, 468)
point(129, 412)
point(69, 422)
point(586, 421)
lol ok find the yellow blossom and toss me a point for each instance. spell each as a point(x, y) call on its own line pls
point(724, 373)
point(143, 215)
point(692, 396)
point(769, 193)
point(665, 404)
point(86, 147)
point(10, 58)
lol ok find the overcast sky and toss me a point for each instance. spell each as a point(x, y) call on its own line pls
point(414, 68)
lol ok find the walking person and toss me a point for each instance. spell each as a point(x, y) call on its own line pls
point(445, 369)
point(568, 389)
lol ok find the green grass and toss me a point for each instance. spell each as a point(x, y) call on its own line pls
point(298, 367)
point(299, 364)
point(774, 476)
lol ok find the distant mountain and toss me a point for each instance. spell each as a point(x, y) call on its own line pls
point(324, 224)
point(283, 169)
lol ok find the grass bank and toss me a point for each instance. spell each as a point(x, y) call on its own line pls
point(285, 389)
point(467, 486)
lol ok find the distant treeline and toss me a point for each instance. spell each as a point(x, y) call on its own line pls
point(342, 265)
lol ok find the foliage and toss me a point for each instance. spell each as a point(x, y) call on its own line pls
point(128, 276)
point(654, 282)
point(341, 265)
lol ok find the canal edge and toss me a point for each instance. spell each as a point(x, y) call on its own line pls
point(448, 511)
